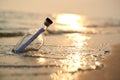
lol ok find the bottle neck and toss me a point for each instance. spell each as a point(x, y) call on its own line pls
point(33, 31)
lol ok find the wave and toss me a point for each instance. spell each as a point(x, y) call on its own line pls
point(12, 22)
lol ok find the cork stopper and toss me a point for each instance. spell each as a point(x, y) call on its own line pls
point(48, 22)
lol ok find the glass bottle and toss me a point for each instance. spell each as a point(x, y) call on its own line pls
point(32, 41)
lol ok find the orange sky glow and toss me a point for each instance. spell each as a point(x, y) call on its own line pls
point(84, 7)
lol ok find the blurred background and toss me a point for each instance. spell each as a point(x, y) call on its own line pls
point(97, 8)
point(67, 15)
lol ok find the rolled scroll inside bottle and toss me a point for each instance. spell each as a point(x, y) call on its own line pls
point(32, 41)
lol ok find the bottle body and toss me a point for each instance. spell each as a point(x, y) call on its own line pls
point(32, 41)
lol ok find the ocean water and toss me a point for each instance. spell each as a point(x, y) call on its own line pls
point(73, 43)
point(63, 22)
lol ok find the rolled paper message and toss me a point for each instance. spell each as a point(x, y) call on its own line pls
point(21, 48)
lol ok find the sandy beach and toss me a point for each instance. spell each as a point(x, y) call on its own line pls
point(47, 66)
point(71, 50)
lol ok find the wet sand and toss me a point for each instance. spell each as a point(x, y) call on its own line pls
point(111, 69)
point(48, 67)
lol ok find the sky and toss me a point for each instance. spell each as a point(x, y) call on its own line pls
point(98, 8)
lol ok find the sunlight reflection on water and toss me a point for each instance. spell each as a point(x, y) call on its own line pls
point(78, 40)
point(41, 60)
point(72, 22)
